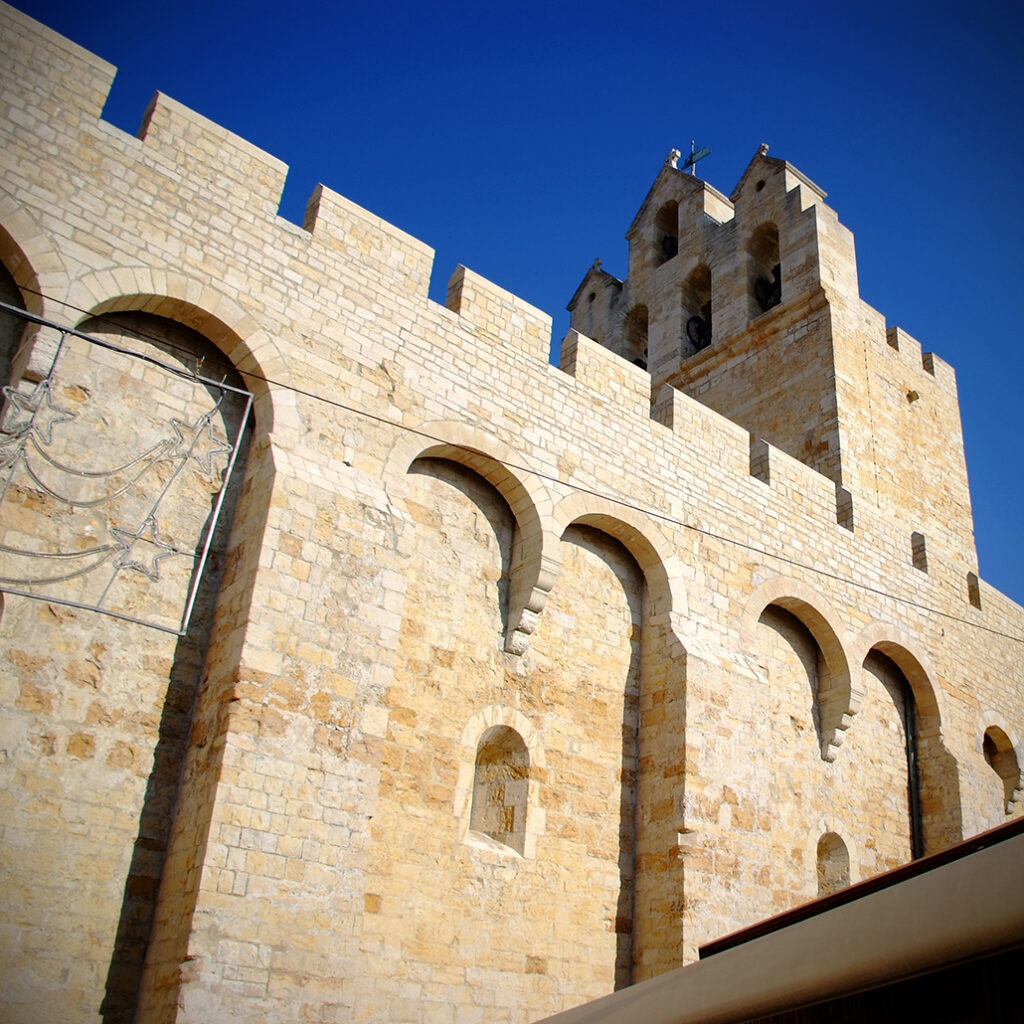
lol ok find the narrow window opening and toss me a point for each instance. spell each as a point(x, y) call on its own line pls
point(760, 459)
point(919, 551)
point(973, 590)
point(891, 676)
point(844, 508)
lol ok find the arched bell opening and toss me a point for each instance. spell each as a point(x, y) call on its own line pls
point(666, 233)
point(764, 270)
point(696, 303)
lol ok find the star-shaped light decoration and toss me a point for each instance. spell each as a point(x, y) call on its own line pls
point(11, 449)
point(198, 442)
point(33, 414)
point(147, 533)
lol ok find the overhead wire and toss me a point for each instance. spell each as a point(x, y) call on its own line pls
point(579, 488)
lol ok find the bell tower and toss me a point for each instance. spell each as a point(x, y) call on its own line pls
point(750, 305)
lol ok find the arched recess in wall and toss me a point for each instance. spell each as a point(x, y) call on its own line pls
point(644, 540)
point(697, 309)
point(764, 269)
point(461, 548)
point(780, 602)
point(497, 794)
point(533, 563)
point(140, 404)
point(653, 728)
point(500, 787)
point(933, 776)
point(998, 750)
point(837, 852)
point(833, 864)
point(217, 316)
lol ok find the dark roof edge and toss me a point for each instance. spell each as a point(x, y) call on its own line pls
point(942, 915)
point(859, 890)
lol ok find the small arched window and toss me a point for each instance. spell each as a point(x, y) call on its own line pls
point(500, 787)
point(833, 864)
point(1002, 759)
point(764, 269)
point(666, 233)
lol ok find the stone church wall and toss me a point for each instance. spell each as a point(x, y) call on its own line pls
point(508, 683)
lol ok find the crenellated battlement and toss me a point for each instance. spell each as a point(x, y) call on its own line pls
point(693, 253)
point(627, 386)
point(58, 73)
point(917, 360)
point(199, 154)
point(498, 315)
point(343, 230)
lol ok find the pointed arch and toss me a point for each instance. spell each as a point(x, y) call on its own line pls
point(838, 697)
point(535, 556)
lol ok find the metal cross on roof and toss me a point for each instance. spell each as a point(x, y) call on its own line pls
point(695, 155)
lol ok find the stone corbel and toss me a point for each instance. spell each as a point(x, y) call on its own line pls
point(530, 581)
point(837, 706)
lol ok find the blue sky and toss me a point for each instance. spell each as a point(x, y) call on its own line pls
point(519, 139)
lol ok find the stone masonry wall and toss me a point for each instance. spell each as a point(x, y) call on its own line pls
point(704, 667)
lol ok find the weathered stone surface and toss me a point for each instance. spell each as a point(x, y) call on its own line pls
point(702, 593)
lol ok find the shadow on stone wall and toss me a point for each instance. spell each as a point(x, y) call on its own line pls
point(172, 343)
